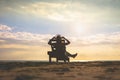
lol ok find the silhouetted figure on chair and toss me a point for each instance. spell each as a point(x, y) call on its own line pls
point(58, 45)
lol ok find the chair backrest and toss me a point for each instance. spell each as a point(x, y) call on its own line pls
point(53, 47)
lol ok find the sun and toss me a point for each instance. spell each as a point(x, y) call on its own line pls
point(79, 29)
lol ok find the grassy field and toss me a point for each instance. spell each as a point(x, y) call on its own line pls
point(108, 70)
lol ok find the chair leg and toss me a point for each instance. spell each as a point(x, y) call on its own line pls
point(56, 60)
point(65, 61)
point(50, 59)
point(68, 60)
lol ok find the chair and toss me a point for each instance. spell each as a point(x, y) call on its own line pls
point(58, 55)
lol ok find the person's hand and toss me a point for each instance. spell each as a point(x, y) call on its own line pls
point(53, 38)
point(63, 37)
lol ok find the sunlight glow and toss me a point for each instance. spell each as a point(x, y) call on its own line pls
point(79, 28)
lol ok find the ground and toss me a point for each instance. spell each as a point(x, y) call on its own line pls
point(109, 70)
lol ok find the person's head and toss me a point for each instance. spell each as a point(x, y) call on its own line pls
point(58, 37)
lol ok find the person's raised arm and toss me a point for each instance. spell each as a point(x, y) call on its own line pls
point(50, 41)
point(67, 41)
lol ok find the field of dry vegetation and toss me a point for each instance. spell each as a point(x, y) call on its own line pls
point(60, 71)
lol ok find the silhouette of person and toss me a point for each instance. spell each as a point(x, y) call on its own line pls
point(59, 44)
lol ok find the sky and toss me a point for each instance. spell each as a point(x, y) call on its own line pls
point(92, 26)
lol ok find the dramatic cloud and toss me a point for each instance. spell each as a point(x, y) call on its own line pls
point(92, 26)
point(27, 37)
point(74, 16)
point(85, 11)
point(19, 45)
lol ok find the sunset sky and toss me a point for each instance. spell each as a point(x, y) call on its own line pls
point(92, 26)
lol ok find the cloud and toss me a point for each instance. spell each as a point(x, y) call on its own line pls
point(8, 36)
point(85, 11)
point(88, 15)
point(29, 46)
point(42, 39)
point(23, 45)
point(98, 39)
point(25, 38)
point(5, 28)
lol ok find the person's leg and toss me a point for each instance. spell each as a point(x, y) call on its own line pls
point(68, 54)
point(71, 55)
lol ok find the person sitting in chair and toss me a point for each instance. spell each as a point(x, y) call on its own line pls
point(59, 44)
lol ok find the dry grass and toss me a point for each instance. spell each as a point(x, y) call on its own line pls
point(60, 71)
